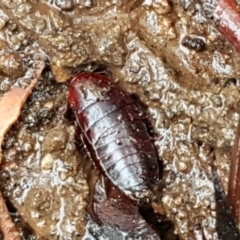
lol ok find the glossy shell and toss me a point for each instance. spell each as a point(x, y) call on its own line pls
point(115, 133)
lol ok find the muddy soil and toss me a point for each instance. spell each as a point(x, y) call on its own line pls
point(169, 54)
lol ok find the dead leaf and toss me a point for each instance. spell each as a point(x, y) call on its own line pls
point(10, 108)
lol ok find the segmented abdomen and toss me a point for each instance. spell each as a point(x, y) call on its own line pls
point(115, 133)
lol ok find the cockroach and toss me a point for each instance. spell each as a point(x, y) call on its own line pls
point(114, 130)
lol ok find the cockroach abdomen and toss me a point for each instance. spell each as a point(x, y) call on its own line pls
point(115, 133)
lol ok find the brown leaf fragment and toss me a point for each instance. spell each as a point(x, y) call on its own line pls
point(112, 208)
point(10, 109)
point(234, 177)
point(11, 105)
point(7, 226)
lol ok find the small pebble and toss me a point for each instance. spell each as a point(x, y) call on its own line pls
point(166, 199)
point(178, 200)
point(27, 147)
point(182, 166)
point(47, 162)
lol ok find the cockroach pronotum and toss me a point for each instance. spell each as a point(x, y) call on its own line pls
point(115, 132)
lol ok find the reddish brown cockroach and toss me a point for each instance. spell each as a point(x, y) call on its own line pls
point(115, 133)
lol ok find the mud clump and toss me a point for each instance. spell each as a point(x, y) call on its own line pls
point(166, 52)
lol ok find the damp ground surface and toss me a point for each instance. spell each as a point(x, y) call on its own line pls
point(170, 55)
